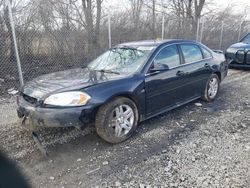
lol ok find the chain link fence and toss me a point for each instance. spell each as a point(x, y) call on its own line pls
point(58, 35)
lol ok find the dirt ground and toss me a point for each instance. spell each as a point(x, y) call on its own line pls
point(192, 146)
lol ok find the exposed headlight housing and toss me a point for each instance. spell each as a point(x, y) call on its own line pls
point(71, 98)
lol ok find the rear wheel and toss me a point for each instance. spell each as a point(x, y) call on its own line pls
point(212, 88)
point(117, 120)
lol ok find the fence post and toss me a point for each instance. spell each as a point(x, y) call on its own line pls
point(240, 30)
point(221, 34)
point(198, 29)
point(202, 30)
point(109, 28)
point(20, 73)
point(163, 27)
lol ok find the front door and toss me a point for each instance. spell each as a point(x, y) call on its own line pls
point(164, 87)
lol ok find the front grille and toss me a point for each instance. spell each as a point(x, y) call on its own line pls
point(248, 57)
point(29, 99)
point(240, 56)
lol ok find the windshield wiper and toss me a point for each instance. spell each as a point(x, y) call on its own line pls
point(107, 71)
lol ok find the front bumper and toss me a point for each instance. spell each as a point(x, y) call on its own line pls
point(239, 66)
point(53, 117)
point(239, 58)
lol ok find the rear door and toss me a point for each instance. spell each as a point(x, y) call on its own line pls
point(197, 66)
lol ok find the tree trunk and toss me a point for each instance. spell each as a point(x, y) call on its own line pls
point(154, 20)
point(92, 30)
point(12, 56)
point(198, 6)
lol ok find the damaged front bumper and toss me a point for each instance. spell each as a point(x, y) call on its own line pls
point(239, 65)
point(238, 58)
point(53, 117)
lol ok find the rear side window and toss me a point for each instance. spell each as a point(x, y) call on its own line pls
point(206, 53)
point(168, 56)
point(192, 53)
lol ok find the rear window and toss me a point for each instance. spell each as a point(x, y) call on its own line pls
point(206, 53)
point(192, 53)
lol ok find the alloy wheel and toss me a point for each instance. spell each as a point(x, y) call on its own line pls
point(213, 88)
point(122, 120)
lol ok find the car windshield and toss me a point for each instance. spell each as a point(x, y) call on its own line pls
point(246, 39)
point(121, 60)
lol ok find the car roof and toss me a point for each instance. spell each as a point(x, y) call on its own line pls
point(152, 42)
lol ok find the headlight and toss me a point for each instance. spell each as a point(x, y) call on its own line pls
point(73, 98)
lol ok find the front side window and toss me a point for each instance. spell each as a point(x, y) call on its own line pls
point(123, 60)
point(168, 56)
point(191, 52)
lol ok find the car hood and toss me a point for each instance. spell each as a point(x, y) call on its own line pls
point(240, 45)
point(66, 80)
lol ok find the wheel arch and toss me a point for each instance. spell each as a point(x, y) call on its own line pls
point(128, 95)
point(101, 122)
point(218, 73)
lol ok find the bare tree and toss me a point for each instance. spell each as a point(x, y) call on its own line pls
point(198, 6)
point(56, 34)
point(3, 34)
point(187, 13)
point(136, 9)
point(154, 19)
point(92, 22)
point(8, 27)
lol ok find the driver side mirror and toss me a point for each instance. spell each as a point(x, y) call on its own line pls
point(156, 67)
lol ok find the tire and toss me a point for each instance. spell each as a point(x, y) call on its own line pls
point(112, 122)
point(209, 95)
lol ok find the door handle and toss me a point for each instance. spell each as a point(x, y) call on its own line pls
point(180, 73)
point(206, 65)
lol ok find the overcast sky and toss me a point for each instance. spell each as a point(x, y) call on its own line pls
point(239, 5)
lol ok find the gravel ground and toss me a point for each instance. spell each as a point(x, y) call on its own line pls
point(197, 145)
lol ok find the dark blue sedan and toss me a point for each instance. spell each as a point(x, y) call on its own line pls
point(127, 84)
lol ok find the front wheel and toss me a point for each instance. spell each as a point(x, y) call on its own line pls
point(117, 120)
point(212, 88)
